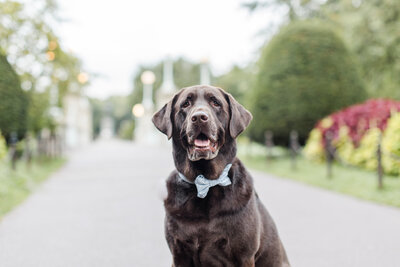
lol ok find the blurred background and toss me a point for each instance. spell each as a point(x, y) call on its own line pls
point(321, 78)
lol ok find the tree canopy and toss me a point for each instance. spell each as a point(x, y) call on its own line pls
point(370, 29)
point(46, 70)
point(238, 81)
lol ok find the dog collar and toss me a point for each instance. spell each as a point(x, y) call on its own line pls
point(203, 184)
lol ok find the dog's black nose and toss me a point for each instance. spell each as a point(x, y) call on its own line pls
point(199, 117)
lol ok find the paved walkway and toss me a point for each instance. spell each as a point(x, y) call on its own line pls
point(103, 209)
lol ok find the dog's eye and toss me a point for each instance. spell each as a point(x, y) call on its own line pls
point(186, 104)
point(216, 103)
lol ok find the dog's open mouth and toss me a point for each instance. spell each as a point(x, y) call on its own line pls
point(202, 147)
point(203, 143)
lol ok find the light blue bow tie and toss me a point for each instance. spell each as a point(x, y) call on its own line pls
point(203, 184)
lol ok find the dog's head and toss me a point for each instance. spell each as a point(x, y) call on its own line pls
point(201, 119)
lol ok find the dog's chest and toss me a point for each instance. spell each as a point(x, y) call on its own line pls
point(201, 241)
point(217, 243)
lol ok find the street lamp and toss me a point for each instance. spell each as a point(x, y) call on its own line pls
point(138, 110)
point(204, 72)
point(148, 78)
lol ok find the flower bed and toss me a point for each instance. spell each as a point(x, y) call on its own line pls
point(356, 132)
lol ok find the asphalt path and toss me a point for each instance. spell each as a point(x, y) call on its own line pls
point(103, 208)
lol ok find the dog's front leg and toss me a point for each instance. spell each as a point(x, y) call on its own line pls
point(182, 261)
point(181, 257)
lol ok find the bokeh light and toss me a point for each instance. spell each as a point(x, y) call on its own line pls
point(138, 110)
point(148, 77)
point(50, 55)
point(83, 77)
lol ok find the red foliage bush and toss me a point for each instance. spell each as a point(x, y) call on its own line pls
point(359, 118)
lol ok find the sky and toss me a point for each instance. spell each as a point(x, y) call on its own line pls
point(114, 37)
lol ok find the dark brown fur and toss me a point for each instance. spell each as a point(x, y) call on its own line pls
point(230, 227)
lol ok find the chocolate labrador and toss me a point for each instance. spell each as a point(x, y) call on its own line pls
point(213, 214)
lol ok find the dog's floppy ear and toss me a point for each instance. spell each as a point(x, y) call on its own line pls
point(240, 117)
point(162, 119)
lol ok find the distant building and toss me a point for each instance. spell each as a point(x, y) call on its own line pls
point(77, 121)
point(107, 127)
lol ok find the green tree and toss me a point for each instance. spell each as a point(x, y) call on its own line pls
point(305, 73)
point(120, 109)
point(295, 9)
point(3, 147)
point(35, 52)
point(126, 129)
point(38, 117)
point(370, 28)
point(238, 81)
point(13, 101)
point(97, 115)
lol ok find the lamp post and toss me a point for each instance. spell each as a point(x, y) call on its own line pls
point(204, 72)
point(144, 132)
point(148, 78)
point(167, 88)
point(138, 112)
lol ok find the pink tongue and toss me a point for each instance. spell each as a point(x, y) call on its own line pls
point(198, 142)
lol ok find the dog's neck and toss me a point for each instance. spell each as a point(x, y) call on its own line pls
point(211, 169)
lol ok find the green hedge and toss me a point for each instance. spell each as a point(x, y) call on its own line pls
point(13, 101)
point(304, 73)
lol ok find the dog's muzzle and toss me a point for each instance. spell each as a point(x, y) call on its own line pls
point(202, 136)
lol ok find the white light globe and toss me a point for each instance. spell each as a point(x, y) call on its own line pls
point(148, 77)
point(138, 110)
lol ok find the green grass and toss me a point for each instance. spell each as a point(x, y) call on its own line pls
point(346, 180)
point(16, 185)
